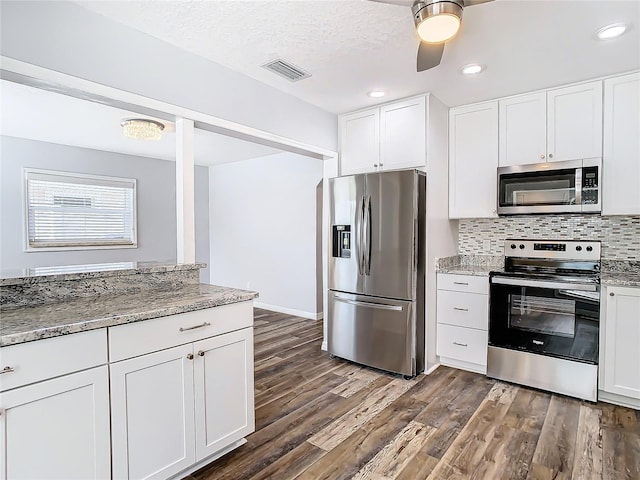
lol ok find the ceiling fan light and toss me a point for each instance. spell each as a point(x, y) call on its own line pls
point(438, 21)
point(142, 128)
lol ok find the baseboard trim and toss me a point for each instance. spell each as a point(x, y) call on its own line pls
point(289, 311)
point(618, 400)
point(324, 346)
point(429, 371)
point(206, 461)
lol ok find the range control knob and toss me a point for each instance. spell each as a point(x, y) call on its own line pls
point(589, 249)
point(513, 246)
point(522, 246)
point(579, 248)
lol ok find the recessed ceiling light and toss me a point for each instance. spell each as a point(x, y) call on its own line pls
point(376, 93)
point(611, 31)
point(472, 69)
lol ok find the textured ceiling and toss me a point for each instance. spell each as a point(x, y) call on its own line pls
point(353, 46)
point(28, 112)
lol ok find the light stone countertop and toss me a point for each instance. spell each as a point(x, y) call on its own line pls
point(620, 279)
point(98, 270)
point(27, 323)
point(476, 270)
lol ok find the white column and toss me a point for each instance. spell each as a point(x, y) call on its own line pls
point(185, 214)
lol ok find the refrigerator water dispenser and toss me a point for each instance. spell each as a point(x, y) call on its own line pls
point(342, 241)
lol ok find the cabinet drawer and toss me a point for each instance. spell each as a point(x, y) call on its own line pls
point(465, 344)
point(52, 357)
point(463, 283)
point(133, 339)
point(463, 309)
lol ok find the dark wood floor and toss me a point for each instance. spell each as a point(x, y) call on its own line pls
point(324, 418)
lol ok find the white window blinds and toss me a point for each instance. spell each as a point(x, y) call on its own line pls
point(74, 210)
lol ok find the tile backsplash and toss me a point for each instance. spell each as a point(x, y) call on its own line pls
point(620, 236)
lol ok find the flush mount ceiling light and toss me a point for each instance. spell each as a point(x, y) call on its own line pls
point(142, 128)
point(472, 69)
point(437, 22)
point(376, 93)
point(611, 31)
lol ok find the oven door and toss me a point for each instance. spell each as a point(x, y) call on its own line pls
point(546, 317)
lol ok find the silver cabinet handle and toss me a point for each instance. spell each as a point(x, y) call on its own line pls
point(542, 156)
point(375, 165)
point(612, 294)
point(201, 353)
point(460, 283)
point(7, 370)
point(460, 344)
point(461, 309)
point(205, 324)
point(189, 356)
point(551, 155)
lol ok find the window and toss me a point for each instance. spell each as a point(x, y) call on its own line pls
point(76, 211)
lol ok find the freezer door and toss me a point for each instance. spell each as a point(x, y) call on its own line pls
point(390, 228)
point(373, 331)
point(346, 196)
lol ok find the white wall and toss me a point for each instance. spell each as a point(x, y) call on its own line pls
point(155, 201)
point(65, 37)
point(264, 230)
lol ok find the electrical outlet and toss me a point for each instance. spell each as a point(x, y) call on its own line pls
point(248, 284)
point(486, 246)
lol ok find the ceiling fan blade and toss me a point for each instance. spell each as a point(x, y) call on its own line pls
point(401, 3)
point(471, 3)
point(429, 55)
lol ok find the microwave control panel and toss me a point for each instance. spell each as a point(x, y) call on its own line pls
point(590, 185)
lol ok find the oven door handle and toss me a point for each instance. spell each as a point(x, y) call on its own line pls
point(519, 282)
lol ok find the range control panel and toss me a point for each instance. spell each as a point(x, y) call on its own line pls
point(564, 249)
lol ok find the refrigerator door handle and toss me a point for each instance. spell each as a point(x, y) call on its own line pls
point(358, 233)
point(367, 236)
point(381, 306)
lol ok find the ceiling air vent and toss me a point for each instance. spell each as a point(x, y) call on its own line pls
point(286, 70)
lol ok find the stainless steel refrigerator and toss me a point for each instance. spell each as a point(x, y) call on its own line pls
point(377, 270)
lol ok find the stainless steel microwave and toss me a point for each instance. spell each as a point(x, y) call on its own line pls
point(554, 187)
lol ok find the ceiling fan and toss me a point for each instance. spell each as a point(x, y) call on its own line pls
point(436, 22)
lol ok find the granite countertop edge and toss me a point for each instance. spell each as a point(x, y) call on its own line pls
point(56, 277)
point(228, 297)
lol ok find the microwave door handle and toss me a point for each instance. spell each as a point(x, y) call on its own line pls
point(578, 186)
point(520, 282)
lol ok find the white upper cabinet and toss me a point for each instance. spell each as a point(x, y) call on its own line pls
point(621, 156)
point(574, 122)
point(388, 137)
point(556, 125)
point(360, 141)
point(473, 160)
point(523, 129)
point(403, 133)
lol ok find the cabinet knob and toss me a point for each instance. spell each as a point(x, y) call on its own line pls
point(201, 353)
point(375, 165)
point(542, 157)
point(380, 164)
point(551, 155)
point(190, 356)
point(6, 369)
point(611, 294)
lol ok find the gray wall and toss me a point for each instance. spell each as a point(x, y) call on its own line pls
point(264, 230)
point(67, 38)
point(155, 199)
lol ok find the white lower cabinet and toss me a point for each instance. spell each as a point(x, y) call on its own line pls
point(175, 407)
point(152, 413)
point(57, 428)
point(619, 353)
point(462, 312)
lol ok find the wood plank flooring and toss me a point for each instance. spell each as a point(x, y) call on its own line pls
point(319, 417)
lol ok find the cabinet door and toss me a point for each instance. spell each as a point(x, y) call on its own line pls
point(523, 129)
point(621, 157)
point(622, 337)
point(224, 401)
point(360, 142)
point(57, 428)
point(574, 122)
point(473, 161)
point(152, 414)
point(403, 134)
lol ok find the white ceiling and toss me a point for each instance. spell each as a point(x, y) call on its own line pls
point(353, 46)
point(28, 112)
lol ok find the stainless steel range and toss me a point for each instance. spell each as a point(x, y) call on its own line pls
point(544, 316)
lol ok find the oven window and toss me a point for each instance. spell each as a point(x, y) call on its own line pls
point(551, 316)
point(557, 187)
